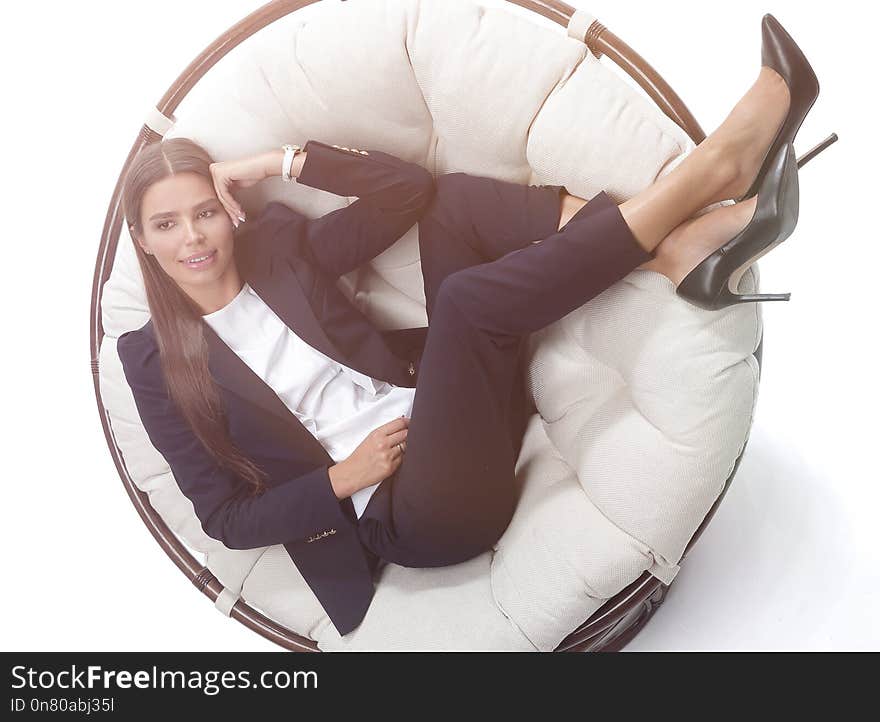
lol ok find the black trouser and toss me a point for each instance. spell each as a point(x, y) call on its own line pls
point(487, 285)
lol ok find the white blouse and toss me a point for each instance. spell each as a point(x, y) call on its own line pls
point(337, 404)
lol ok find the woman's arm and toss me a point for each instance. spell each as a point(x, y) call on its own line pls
point(294, 510)
point(392, 195)
point(245, 172)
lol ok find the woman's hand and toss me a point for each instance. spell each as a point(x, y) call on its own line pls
point(376, 457)
point(243, 172)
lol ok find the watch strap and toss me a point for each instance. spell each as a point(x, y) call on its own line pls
point(290, 152)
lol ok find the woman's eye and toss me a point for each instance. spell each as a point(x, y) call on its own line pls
point(163, 225)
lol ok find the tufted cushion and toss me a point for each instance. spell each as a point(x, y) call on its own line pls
point(647, 402)
point(644, 401)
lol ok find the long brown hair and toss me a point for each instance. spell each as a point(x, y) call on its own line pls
point(177, 321)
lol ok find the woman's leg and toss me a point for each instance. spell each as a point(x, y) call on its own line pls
point(729, 159)
point(690, 242)
point(475, 219)
point(722, 166)
point(454, 493)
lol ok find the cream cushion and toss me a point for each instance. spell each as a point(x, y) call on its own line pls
point(644, 401)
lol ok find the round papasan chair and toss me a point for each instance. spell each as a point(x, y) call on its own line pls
point(642, 402)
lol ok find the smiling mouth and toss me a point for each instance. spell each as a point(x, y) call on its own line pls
point(201, 260)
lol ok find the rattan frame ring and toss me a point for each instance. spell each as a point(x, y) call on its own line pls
point(617, 621)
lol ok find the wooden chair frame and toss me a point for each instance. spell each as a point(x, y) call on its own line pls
point(617, 621)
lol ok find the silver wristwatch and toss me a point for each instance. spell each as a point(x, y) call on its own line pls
point(289, 152)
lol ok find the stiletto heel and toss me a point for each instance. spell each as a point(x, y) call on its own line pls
point(780, 52)
point(813, 152)
point(774, 219)
point(732, 298)
point(712, 284)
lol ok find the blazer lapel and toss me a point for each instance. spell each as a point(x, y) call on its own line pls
point(289, 302)
point(235, 375)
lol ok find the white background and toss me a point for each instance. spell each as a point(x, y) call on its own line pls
point(791, 559)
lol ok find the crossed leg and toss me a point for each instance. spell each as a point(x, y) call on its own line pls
point(499, 263)
point(496, 268)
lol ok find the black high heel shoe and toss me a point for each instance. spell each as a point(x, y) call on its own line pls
point(712, 284)
point(780, 52)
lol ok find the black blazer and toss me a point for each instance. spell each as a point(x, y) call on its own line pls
point(293, 263)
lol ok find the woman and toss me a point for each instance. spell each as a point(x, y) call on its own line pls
point(285, 415)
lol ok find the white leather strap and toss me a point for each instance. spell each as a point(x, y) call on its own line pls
point(579, 23)
point(225, 601)
point(290, 151)
point(157, 122)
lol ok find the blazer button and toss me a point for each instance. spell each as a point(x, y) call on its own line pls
point(412, 369)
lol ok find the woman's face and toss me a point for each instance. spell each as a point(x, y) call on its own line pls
point(189, 233)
